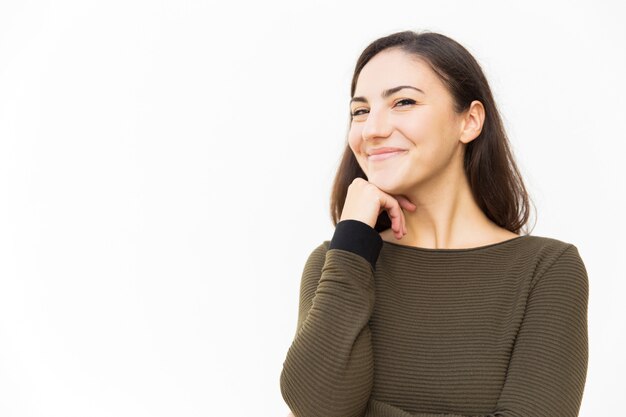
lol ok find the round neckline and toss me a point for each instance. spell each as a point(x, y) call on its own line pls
point(454, 250)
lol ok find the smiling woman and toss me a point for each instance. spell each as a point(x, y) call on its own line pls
point(467, 317)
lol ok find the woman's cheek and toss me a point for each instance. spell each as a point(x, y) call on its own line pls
point(354, 141)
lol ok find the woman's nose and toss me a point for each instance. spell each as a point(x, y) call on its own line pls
point(377, 125)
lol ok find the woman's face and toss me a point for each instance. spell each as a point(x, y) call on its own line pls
point(421, 123)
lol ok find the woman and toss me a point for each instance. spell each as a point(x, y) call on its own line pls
point(427, 301)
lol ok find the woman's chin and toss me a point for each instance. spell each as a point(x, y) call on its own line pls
point(387, 185)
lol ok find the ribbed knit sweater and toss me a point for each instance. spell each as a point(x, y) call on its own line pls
point(389, 330)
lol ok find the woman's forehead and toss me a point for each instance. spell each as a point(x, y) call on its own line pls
point(389, 69)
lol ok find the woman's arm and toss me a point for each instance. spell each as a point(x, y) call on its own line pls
point(328, 370)
point(548, 366)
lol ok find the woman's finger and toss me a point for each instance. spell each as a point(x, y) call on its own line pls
point(396, 215)
point(385, 205)
point(405, 203)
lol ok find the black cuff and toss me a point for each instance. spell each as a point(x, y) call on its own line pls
point(357, 237)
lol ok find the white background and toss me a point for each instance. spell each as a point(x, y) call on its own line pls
point(165, 171)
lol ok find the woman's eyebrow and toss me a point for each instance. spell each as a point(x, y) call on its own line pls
point(386, 93)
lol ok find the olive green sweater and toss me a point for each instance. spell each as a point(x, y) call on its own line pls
point(389, 330)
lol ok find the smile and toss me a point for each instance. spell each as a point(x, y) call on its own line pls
point(383, 156)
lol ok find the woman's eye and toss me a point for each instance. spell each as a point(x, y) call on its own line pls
point(407, 100)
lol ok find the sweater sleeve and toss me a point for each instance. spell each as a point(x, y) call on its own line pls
point(329, 366)
point(548, 366)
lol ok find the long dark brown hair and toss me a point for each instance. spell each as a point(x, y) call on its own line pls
point(493, 175)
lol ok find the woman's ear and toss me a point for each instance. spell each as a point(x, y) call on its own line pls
point(472, 122)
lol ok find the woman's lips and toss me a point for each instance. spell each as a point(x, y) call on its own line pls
point(383, 156)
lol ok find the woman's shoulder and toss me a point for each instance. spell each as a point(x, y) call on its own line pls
point(549, 257)
point(543, 251)
point(549, 246)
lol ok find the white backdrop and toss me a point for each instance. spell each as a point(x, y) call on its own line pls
point(165, 171)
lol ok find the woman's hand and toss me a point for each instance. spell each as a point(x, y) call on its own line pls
point(365, 202)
